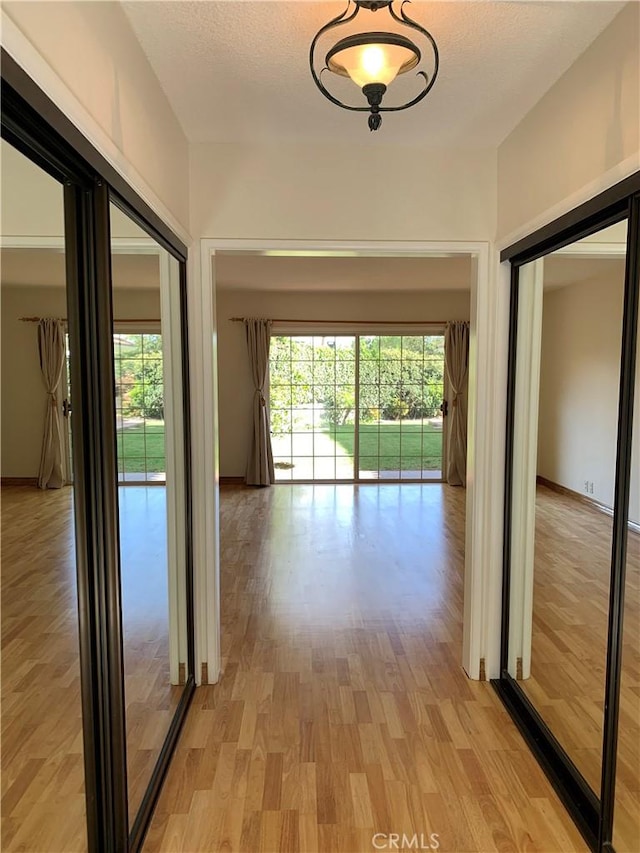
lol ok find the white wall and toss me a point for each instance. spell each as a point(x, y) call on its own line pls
point(92, 48)
point(342, 193)
point(33, 202)
point(587, 124)
point(235, 386)
point(579, 386)
point(23, 397)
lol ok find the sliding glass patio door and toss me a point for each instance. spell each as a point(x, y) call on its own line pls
point(357, 407)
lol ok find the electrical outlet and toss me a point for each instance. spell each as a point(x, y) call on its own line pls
point(586, 485)
point(590, 488)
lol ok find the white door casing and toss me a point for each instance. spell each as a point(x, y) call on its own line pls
point(483, 542)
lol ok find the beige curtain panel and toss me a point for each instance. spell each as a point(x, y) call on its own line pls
point(260, 463)
point(51, 347)
point(456, 365)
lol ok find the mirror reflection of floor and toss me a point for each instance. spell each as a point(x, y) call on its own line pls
point(570, 614)
point(150, 699)
point(43, 805)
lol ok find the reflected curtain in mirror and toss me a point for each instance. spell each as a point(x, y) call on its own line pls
point(52, 352)
point(456, 362)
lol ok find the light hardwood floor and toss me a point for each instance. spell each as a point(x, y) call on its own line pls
point(342, 710)
point(42, 759)
point(569, 646)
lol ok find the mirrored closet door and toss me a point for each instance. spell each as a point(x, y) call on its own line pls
point(97, 609)
point(570, 307)
point(148, 357)
point(43, 792)
point(570, 654)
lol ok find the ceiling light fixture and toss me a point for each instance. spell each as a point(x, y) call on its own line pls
point(374, 59)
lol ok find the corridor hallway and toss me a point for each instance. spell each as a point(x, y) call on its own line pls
point(342, 709)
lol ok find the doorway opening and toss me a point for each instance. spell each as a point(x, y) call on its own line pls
point(243, 278)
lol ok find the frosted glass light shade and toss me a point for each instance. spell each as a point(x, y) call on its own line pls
point(373, 57)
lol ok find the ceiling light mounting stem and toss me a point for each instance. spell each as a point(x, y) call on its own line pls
point(373, 92)
point(374, 59)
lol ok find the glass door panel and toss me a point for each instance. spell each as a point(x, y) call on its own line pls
point(401, 387)
point(312, 406)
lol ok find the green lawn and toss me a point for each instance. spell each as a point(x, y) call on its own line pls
point(140, 441)
point(402, 446)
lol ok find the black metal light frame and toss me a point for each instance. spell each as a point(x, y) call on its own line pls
point(374, 92)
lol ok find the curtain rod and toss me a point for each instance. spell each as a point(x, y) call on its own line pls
point(115, 320)
point(351, 322)
point(37, 319)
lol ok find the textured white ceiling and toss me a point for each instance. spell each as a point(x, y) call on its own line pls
point(238, 71)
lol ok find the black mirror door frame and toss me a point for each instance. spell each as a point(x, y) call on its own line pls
point(39, 130)
point(592, 812)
